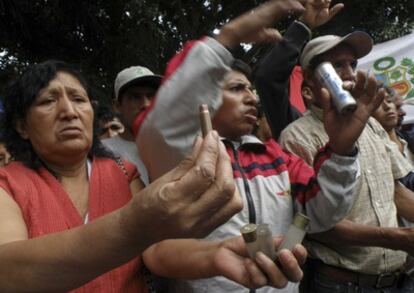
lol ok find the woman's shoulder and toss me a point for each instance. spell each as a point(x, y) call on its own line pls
point(17, 179)
point(16, 167)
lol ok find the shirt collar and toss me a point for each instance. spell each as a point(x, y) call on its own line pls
point(249, 142)
point(317, 112)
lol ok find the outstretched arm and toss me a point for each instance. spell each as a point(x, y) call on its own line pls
point(179, 204)
point(189, 258)
point(329, 187)
point(404, 201)
point(272, 78)
point(166, 134)
point(348, 233)
point(273, 74)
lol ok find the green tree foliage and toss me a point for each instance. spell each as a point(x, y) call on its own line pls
point(102, 37)
point(383, 19)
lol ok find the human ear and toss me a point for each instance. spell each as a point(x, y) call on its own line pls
point(20, 127)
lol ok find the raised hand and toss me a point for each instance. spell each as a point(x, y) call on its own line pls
point(232, 261)
point(194, 198)
point(344, 130)
point(255, 25)
point(319, 12)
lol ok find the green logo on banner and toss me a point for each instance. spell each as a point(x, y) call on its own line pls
point(398, 76)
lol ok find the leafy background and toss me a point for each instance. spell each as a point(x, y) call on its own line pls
point(102, 37)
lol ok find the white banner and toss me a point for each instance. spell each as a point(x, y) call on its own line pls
point(393, 63)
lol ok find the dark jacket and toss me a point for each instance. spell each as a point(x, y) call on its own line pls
point(273, 74)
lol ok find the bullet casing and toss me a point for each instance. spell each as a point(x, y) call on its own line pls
point(249, 233)
point(258, 238)
point(205, 120)
point(250, 239)
point(295, 233)
point(264, 238)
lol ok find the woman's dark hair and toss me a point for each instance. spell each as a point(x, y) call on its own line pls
point(20, 96)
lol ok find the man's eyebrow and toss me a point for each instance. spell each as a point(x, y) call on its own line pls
point(239, 81)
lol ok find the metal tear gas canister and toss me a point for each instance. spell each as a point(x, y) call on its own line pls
point(341, 98)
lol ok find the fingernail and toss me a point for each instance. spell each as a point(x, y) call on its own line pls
point(260, 257)
point(284, 255)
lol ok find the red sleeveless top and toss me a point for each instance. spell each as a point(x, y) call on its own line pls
point(47, 208)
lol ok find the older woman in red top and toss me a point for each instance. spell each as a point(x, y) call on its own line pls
point(71, 216)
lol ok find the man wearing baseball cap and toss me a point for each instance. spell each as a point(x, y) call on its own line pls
point(133, 90)
point(366, 252)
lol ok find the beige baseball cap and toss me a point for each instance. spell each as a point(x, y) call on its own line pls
point(360, 41)
point(135, 74)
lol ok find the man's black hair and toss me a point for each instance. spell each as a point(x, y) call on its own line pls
point(241, 66)
point(104, 113)
point(20, 96)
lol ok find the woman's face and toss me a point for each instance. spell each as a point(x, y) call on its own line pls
point(59, 123)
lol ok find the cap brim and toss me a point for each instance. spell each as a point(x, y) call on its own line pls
point(360, 41)
point(149, 80)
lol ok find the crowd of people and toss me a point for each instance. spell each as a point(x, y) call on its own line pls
point(135, 199)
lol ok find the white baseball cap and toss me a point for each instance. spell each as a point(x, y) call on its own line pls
point(135, 74)
point(360, 41)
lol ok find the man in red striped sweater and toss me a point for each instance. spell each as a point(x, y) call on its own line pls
point(273, 184)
